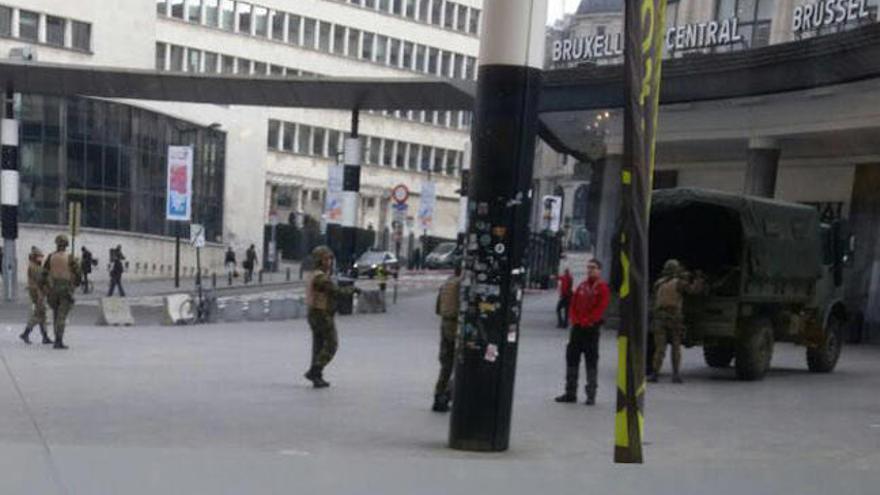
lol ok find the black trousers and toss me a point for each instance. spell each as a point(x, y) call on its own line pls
point(582, 340)
point(116, 282)
point(562, 312)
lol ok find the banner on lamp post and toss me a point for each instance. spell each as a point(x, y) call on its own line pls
point(178, 204)
point(333, 203)
point(644, 22)
point(426, 205)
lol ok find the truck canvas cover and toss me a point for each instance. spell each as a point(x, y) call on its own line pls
point(782, 238)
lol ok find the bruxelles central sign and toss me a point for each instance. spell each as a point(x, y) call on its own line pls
point(810, 16)
point(688, 37)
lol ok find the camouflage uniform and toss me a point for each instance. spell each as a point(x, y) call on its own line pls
point(668, 319)
point(62, 275)
point(321, 296)
point(38, 298)
point(447, 308)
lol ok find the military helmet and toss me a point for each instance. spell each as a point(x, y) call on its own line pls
point(671, 267)
point(36, 252)
point(61, 240)
point(321, 252)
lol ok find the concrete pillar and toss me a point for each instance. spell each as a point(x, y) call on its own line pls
point(608, 181)
point(762, 167)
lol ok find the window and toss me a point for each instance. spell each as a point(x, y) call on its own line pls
point(381, 48)
point(55, 30)
point(439, 160)
point(177, 9)
point(470, 68)
point(260, 68)
point(194, 11)
point(394, 54)
point(193, 60)
point(160, 56)
point(176, 58)
point(458, 67)
point(367, 48)
point(755, 17)
point(211, 60)
point(289, 135)
point(5, 21)
point(397, 7)
point(161, 7)
point(261, 21)
point(333, 147)
point(318, 134)
point(354, 38)
point(445, 64)
point(339, 39)
point(474, 24)
point(420, 58)
point(433, 54)
point(423, 10)
point(414, 159)
point(436, 12)
point(227, 64)
point(449, 15)
point(309, 33)
point(227, 20)
point(425, 164)
point(212, 12)
point(370, 4)
point(388, 153)
point(293, 29)
point(244, 67)
point(274, 131)
point(304, 141)
point(28, 23)
point(400, 155)
point(82, 35)
point(374, 154)
point(245, 17)
point(411, 8)
point(461, 21)
point(277, 25)
point(407, 54)
point(452, 160)
point(324, 37)
point(276, 70)
point(385, 5)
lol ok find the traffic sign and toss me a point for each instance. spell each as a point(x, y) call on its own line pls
point(400, 194)
point(197, 235)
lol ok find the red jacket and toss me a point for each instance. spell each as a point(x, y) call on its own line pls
point(589, 302)
point(565, 283)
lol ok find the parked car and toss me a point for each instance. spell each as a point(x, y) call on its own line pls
point(445, 255)
point(368, 262)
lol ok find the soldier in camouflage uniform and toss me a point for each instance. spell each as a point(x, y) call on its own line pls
point(447, 308)
point(38, 297)
point(668, 319)
point(321, 296)
point(61, 276)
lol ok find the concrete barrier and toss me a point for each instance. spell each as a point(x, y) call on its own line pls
point(256, 310)
point(231, 311)
point(114, 311)
point(286, 309)
point(370, 301)
point(173, 304)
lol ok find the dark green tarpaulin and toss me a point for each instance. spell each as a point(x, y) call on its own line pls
point(782, 237)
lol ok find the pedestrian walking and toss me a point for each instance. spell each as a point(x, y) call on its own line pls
point(417, 259)
point(229, 262)
point(447, 308)
point(588, 304)
point(37, 293)
point(87, 261)
point(667, 315)
point(61, 276)
point(116, 269)
point(565, 290)
point(250, 262)
point(321, 298)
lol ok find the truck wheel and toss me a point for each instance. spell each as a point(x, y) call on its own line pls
point(824, 358)
point(718, 356)
point(754, 350)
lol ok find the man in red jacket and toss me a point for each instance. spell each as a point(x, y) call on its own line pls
point(587, 310)
point(565, 286)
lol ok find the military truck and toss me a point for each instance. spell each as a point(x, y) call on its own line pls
point(772, 271)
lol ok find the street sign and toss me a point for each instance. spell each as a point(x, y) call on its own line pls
point(74, 217)
point(197, 235)
point(400, 194)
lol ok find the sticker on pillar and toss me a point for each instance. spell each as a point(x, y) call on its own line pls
point(511, 334)
point(499, 248)
point(491, 353)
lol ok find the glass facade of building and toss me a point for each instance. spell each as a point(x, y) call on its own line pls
point(112, 158)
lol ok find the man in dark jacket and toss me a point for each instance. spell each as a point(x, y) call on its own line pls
point(587, 311)
point(116, 269)
point(87, 260)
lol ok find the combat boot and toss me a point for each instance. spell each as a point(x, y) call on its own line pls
point(319, 382)
point(46, 339)
point(567, 397)
point(26, 335)
point(591, 397)
point(312, 374)
point(441, 403)
point(59, 341)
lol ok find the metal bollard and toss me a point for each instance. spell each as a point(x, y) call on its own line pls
point(260, 276)
point(230, 278)
point(213, 280)
point(288, 274)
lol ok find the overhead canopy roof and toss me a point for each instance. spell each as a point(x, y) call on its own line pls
point(305, 92)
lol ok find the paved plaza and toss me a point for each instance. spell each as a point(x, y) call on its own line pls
point(223, 409)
